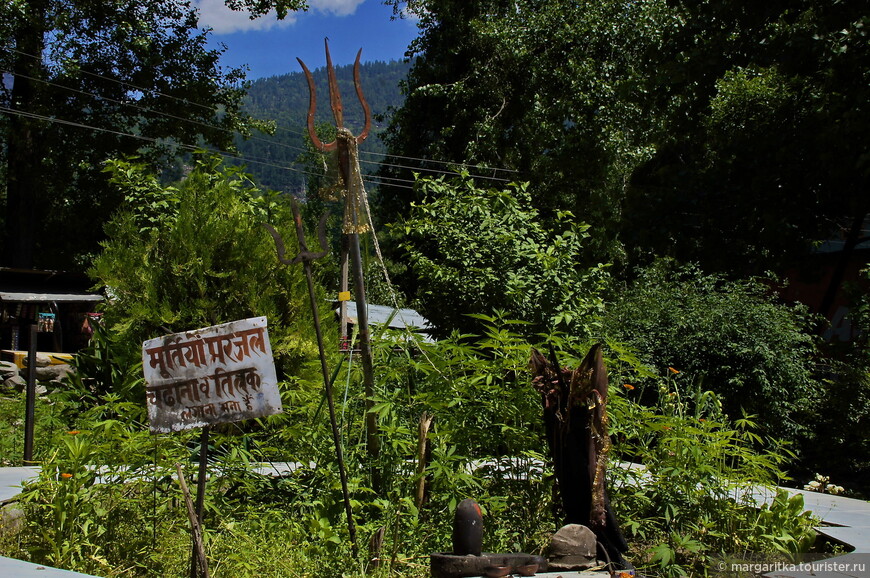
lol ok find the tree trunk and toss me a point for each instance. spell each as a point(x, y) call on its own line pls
point(575, 416)
point(24, 155)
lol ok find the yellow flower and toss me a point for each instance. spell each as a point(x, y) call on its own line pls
point(673, 370)
point(66, 476)
point(628, 386)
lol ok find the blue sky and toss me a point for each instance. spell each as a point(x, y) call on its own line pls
point(269, 47)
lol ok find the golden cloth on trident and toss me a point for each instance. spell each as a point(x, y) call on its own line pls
point(346, 145)
point(356, 204)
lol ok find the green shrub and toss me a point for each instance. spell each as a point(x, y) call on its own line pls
point(838, 444)
point(692, 501)
point(101, 501)
point(757, 354)
point(195, 254)
point(478, 251)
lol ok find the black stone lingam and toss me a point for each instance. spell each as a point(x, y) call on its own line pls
point(467, 560)
point(467, 529)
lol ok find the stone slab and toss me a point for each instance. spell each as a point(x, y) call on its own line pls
point(856, 536)
point(571, 574)
point(11, 480)
point(850, 519)
point(847, 566)
point(11, 568)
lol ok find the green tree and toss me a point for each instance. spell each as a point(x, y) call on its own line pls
point(837, 446)
point(258, 8)
point(549, 89)
point(478, 251)
point(762, 150)
point(732, 336)
point(194, 254)
point(89, 80)
point(722, 131)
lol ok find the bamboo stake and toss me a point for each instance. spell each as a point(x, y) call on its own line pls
point(422, 442)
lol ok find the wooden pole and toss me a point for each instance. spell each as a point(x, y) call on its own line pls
point(202, 473)
point(30, 398)
point(350, 175)
point(195, 529)
point(372, 442)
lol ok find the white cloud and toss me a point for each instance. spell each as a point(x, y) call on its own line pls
point(215, 14)
point(336, 7)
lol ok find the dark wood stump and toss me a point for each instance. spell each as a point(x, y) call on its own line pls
point(575, 417)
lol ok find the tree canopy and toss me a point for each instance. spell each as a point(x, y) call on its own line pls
point(194, 254)
point(88, 80)
point(722, 131)
point(478, 251)
point(547, 89)
point(762, 149)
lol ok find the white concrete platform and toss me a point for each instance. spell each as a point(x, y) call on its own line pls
point(845, 520)
point(12, 478)
point(11, 568)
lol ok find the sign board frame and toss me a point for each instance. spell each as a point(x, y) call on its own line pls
point(219, 374)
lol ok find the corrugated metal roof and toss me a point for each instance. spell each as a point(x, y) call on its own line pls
point(394, 318)
point(42, 297)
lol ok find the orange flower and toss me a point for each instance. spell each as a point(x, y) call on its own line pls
point(66, 476)
point(673, 370)
point(73, 432)
point(666, 427)
point(628, 386)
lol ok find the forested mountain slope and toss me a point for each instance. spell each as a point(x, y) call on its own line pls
point(275, 160)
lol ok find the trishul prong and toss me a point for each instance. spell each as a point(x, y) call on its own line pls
point(335, 101)
point(304, 254)
point(334, 94)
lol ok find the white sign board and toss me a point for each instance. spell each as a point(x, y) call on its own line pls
point(213, 375)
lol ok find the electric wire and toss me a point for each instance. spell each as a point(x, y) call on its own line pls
point(184, 146)
point(446, 163)
point(261, 139)
point(121, 82)
point(148, 139)
point(153, 140)
point(232, 132)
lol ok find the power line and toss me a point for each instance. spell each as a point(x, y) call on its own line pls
point(446, 163)
point(183, 146)
point(122, 83)
point(123, 103)
point(435, 171)
point(261, 139)
point(151, 140)
point(228, 131)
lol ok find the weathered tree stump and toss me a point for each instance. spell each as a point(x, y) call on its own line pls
point(575, 417)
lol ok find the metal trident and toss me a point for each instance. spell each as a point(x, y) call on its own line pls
point(355, 221)
point(335, 102)
point(306, 257)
